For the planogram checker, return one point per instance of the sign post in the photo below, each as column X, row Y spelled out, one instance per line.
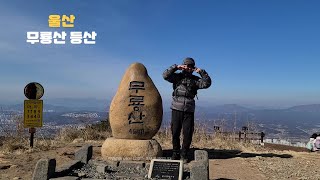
column 32, row 131
column 33, row 108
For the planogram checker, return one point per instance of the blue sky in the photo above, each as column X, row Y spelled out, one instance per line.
column 258, row 53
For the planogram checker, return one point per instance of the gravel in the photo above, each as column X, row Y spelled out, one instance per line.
column 114, row 172
column 89, row 171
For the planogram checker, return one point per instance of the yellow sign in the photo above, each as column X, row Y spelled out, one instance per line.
column 33, row 110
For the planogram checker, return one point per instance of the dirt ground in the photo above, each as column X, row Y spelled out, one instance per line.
column 224, row 164
column 262, row 166
column 236, row 168
column 20, row 165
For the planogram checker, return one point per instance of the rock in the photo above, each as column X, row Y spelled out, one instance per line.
column 147, row 165
column 199, row 169
column 66, row 152
column 13, row 166
column 131, row 176
column 81, row 174
column 113, row 163
column 136, row 109
column 66, row 178
column 5, row 166
column 102, row 168
column 45, row 169
column 78, row 140
column 132, row 164
column 201, row 155
column 84, row 154
column 65, row 169
column 129, row 149
column 108, row 163
column 16, row 178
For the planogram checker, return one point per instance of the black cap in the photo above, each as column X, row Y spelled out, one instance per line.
column 189, row 61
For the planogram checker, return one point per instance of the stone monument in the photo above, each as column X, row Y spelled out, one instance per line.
column 135, row 117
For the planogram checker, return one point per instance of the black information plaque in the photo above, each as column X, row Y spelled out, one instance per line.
column 166, row 169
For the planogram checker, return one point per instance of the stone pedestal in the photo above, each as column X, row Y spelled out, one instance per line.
column 130, row 149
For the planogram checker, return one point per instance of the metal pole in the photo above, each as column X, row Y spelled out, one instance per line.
column 31, row 139
column 32, row 131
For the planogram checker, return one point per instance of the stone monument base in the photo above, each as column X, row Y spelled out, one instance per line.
column 130, row 149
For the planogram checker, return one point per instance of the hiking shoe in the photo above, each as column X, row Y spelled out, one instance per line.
column 175, row 156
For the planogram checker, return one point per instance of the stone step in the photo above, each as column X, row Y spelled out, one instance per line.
column 66, row 178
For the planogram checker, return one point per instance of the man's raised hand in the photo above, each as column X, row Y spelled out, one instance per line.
column 197, row 69
column 182, row 67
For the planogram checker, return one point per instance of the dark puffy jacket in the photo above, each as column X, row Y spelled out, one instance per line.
column 185, row 87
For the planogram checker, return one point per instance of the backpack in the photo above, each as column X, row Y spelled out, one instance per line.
column 317, row 143
column 310, row 144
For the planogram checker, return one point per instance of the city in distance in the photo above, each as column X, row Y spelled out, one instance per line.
column 295, row 124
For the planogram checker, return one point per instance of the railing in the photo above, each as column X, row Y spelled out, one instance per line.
column 245, row 136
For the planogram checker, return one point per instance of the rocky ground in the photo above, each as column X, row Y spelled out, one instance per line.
column 89, row 171
column 224, row 164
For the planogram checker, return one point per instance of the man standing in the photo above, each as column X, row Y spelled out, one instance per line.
column 185, row 86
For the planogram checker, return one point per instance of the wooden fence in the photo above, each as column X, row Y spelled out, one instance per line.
column 245, row 136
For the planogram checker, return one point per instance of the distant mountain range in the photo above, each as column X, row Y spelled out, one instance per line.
column 68, row 104
column 306, row 108
column 226, row 108
column 302, row 119
column 231, row 108
column 296, row 121
column 90, row 104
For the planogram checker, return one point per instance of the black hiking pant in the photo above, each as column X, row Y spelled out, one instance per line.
column 182, row 120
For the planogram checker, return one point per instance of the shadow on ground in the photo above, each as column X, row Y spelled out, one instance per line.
column 227, row 154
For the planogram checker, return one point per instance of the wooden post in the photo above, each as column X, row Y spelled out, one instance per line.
column 262, row 136
column 32, row 131
column 245, row 136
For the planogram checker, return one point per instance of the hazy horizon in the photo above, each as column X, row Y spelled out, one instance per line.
column 166, row 103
